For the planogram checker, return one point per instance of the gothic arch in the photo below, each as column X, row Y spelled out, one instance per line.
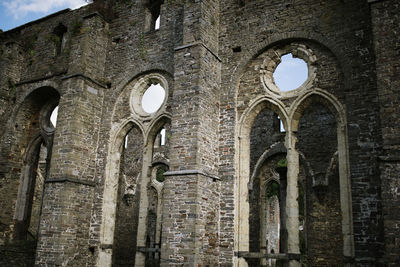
column 332, row 103
column 111, row 180
column 150, row 136
column 243, row 163
column 156, row 125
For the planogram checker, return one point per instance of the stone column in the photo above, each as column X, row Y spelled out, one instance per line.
column 282, row 209
column 292, row 206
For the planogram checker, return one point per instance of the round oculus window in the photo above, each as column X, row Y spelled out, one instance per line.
column 153, row 98
column 149, row 94
column 288, row 70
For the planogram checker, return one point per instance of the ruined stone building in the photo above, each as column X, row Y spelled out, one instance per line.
column 229, row 170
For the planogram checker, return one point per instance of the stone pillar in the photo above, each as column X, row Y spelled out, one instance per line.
column 191, row 190
column 282, row 209
column 69, row 190
column 292, row 206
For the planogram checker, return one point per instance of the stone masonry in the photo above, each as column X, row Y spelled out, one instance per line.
column 210, row 178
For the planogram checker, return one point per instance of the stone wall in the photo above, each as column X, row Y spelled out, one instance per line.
column 384, row 14
column 215, row 59
column 317, row 141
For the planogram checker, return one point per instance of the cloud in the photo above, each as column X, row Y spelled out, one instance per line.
column 21, row 8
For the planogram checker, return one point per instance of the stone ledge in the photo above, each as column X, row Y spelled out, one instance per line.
column 195, row 44
column 87, row 78
column 71, row 180
column 191, row 172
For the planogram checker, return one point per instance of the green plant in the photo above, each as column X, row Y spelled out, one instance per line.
column 273, row 190
column 160, row 175
column 281, row 163
column 31, row 53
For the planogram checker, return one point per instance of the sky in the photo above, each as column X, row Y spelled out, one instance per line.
column 153, row 98
column 290, row 73
column 14, row 13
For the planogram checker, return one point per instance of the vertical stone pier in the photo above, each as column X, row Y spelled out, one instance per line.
column 191, row 192
column 69, row 189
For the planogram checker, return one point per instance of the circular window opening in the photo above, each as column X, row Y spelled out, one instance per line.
column 53, row 117
column 153, row 98
column 291, row 73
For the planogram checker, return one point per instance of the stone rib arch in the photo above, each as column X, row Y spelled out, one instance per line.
column 255, row 107
column 338, row 110
column 273, row 150
column 128, row 78
column 316, row 95
column 28, row 89
column 110, row 190
column 277, row 149
column 155, row 126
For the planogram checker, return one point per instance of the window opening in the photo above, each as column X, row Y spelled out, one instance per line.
column 59, row 37
column 153, row 14
column 38, row 176
column 157, row 23
column 162, row 139
column 153, row 98
column 53, row 117
column 126, row 142
column 291, row 73
column 281, row 127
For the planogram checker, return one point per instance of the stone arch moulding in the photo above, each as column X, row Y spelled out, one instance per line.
column 138, row 71
column 155, row 126
column 110, row 191
column 128, row 82
column 45, row 114
column 29, row 88
column 279, row 38
column 258, row 104
column 334, row 105
column 241, row 240
column 274, row 149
